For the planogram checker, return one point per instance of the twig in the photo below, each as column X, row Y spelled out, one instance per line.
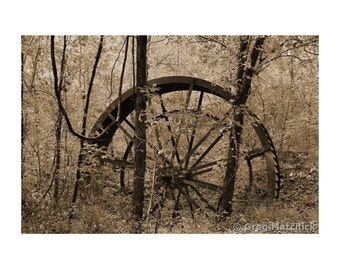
column 89, row 91
column 113, row 67
column 122, row 79
column 61, row 106
column 214, row 40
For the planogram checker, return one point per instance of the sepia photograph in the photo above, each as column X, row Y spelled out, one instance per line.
column 173, row 134
column 170, row 134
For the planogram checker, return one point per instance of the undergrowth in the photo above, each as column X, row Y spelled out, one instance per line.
column 111, row 212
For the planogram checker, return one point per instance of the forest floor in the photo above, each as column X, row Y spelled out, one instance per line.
column 295, row 211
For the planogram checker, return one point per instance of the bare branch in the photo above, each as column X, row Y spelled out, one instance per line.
column 293, row 45
column 122, row 78
column 89, row 91
column 61, row 106
column 214, row 40
column 113, row 67
column 160, row 40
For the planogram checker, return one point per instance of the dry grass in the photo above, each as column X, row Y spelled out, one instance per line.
column 295, row 210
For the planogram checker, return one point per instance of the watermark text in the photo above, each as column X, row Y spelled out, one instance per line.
column 301, row 227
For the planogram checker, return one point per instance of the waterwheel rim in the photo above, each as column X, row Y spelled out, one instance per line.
column 178, row 174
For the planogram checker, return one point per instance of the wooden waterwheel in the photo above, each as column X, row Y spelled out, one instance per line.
column 189, row 126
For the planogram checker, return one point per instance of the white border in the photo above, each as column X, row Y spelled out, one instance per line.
column 164, row 251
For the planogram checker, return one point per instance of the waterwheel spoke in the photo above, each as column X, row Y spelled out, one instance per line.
column 196, row 172
column 122, row 169
column 118, row 124
column 187, row 100
column 198, row 144
column 202, row 198
column 178, row 136
column 205, row 165
column 208, row 149
column 205, row 137
column 129, row 124
column 190, row 201
column 164, row 112
column 193, row 133
column 202, row 184
column 160, row 205
column 176, row 208
column 200, row 100
column 160, row 154
column 159, row 143
column 187, row 196
column 160, row 202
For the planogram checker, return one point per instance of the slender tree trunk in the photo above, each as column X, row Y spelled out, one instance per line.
column 140, row 139
column 57, row 157
column 58, row 85
column 288, row 108
column 84, row 122
column 244, row 77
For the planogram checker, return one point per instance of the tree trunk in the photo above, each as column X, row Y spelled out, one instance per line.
column 58, row 85
column 57, row 157
column 84, row 122
column 225, row 202
column 244, row 77
column 140, row 138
